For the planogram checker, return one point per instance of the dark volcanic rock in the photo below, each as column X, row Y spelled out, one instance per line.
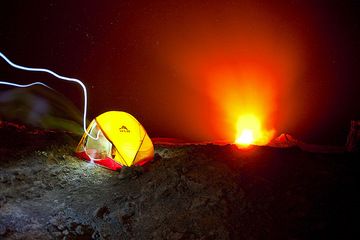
column 187, row 192
column 101, row 212
column 2, row 230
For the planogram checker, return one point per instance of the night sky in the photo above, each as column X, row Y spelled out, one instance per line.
column 188, row 69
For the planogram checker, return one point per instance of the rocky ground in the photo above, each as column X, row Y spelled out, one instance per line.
column 187, row 192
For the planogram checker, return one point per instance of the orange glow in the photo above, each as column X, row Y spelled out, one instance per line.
column 247, row 62
column 250, row 131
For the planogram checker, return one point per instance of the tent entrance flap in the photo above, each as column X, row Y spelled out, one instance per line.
column 99, row 148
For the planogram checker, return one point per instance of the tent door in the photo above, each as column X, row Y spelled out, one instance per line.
column 100, row 148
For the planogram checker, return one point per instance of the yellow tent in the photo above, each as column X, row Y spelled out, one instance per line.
column 117, row 139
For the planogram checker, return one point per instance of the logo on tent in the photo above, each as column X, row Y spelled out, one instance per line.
column 124, row 129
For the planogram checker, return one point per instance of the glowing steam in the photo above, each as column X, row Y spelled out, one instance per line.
column 245, row 63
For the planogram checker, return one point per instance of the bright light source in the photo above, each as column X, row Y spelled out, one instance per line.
column 250, row 131
column 246, row 137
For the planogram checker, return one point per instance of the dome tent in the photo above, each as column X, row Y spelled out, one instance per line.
column 120, row 140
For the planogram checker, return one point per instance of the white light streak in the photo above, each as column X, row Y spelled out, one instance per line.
column 31, row 69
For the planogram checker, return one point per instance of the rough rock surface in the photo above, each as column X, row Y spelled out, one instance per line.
column 187, row 192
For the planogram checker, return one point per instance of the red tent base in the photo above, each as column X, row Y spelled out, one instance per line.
column 107, row 162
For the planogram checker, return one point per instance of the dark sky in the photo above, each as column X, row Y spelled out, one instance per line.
column 188, row 69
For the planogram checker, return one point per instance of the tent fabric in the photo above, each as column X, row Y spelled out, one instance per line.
column 121, row 141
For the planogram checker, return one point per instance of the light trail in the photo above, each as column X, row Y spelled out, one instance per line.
column 31, row 69
column 24, row 85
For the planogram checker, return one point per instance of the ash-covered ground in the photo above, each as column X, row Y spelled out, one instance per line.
column 187, row 192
